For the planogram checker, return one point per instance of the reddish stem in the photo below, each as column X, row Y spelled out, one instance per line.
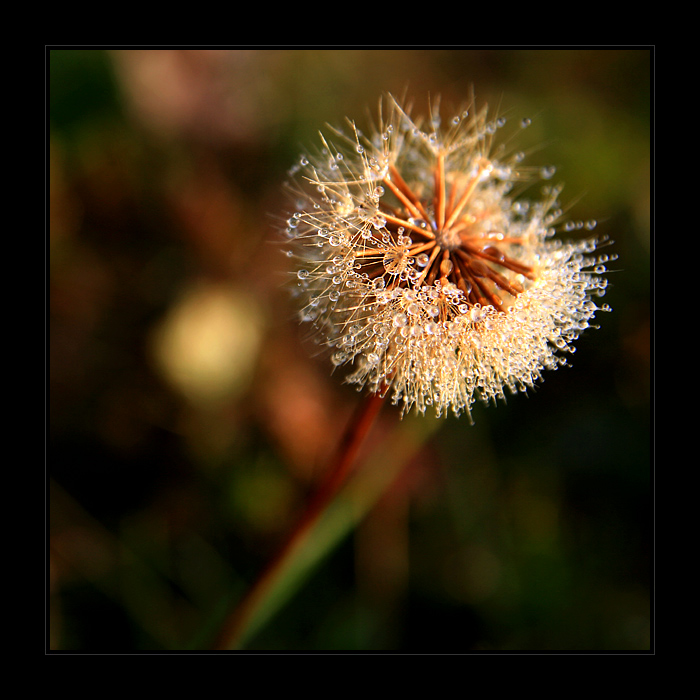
column 340, row 469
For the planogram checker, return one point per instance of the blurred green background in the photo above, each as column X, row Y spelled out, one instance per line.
column 189, row 418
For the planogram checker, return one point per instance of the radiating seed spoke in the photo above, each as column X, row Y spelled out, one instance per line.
column 368, row 252
column 408, row 203
column 416, row 207
column 468, row 284
column 440, row 192
column 462, row 282
column 418, row 248
column 502, row 282
column 469, row 250
column 469, row 190
column 429, row 265
column 408, row 225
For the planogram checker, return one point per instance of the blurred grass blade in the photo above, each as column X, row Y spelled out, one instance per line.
column 362, row 491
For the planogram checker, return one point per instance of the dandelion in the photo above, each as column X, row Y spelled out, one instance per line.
column 422, row 266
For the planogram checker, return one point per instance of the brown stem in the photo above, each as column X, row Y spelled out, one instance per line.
column 235, row 626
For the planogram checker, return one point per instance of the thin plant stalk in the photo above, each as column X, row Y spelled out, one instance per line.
column 236, row 626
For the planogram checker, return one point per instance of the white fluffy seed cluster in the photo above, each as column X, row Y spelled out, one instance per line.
column 420, row 266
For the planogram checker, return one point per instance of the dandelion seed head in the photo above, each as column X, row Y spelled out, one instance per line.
column 420, row 268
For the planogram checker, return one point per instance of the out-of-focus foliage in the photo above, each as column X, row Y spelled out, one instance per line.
column 189, row 417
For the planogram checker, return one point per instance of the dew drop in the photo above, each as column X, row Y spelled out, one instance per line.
column 338, row 358
column 400, row 320
column 525, row 122
column 420, row 223
column 302, row 274
column 476, row 315
column 494, row 253
column 378, row 221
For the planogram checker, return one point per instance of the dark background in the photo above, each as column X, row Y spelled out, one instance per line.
column 189, row 419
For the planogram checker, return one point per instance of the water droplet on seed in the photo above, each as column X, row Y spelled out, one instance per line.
column 494, row 253
column 400, row 320
column 446, row 267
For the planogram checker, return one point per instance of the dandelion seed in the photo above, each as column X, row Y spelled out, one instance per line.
column 456, row 290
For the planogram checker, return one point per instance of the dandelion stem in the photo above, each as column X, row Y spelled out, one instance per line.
column 237, row 624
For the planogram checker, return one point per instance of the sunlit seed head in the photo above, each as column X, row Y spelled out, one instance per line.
column 427, row 273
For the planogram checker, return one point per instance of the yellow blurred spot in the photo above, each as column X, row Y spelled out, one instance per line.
column 207, row 346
